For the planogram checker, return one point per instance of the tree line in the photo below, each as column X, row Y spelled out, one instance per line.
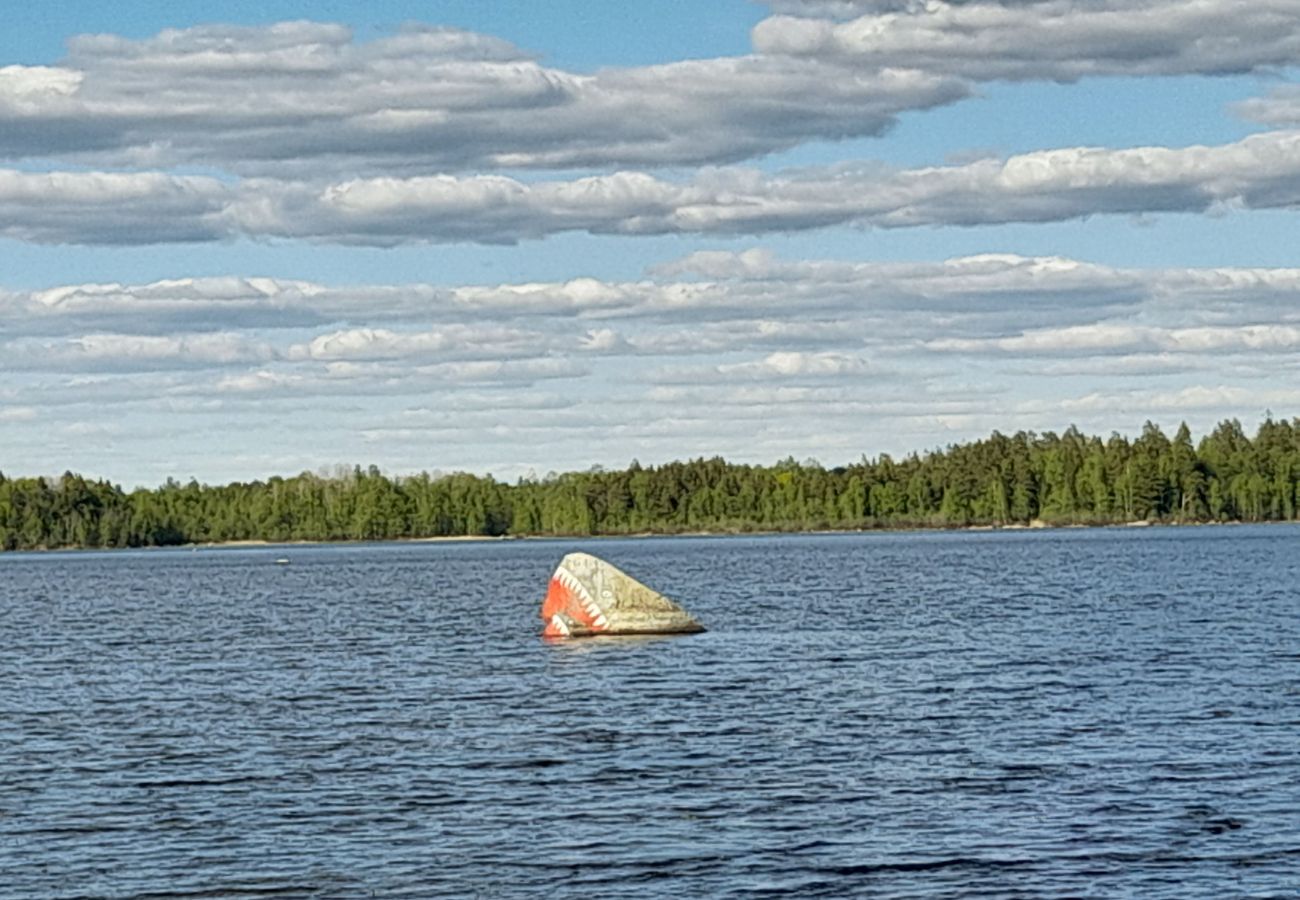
column 1056, row 479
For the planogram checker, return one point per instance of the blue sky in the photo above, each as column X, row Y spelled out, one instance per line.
column 574, row 34
column 263, row 238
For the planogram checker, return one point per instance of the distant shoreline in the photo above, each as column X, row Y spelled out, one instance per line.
column 644, row 535
column 1036, row 526
column 1022, row 481
column 260, row 542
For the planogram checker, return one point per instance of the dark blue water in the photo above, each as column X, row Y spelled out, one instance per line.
column 1053, row 714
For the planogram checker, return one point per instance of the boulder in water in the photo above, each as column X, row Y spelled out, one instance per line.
column 588, row 597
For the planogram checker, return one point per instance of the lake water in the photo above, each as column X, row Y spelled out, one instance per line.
column 1108, row 713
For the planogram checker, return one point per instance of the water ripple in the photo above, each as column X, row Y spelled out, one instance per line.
column 1060, row 714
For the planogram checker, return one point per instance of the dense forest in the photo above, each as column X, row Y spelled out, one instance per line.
column 1056, row 479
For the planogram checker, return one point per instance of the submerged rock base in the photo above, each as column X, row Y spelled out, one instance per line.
column 587, row 597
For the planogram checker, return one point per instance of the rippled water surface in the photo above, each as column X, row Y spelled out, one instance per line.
column 1066, row 713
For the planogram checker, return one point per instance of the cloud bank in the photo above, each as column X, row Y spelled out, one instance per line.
column 298, row 133
column 304, row 97
column 1056, row 40
column 743, row 354
column 1261, row 171
column 762, row 318
column 299, row 99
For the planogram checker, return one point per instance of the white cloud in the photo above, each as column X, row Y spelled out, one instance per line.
column 388, row 378
column 1060, row 40
column 424, row 100
column 789, row 364
column 836, row 9
column 213, row 303
column 128, row 352
column 17, row 413
column 25, row 87
column 508, row 371
column 1261, row 171
column 852, row 9
column 1126, row 338
column 750, row 303
column 711, row 302
column 734, row 352
column 110, row 208
column 428, row 100
column 603, row 340
column 737, row 330
column 586, row 297
column 782, row 366
column 1132, row 365
column 1221, row 398
column 447, row 342
column 480, row 401
column 1280, row 108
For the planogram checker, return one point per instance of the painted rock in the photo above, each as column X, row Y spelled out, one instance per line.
column 588, row 596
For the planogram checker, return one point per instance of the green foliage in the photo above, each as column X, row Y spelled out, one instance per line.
column 1067, row 479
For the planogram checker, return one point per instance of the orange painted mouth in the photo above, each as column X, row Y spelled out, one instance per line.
column 568, row 608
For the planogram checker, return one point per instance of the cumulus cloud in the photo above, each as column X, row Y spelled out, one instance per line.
column 1258, row 172
column 788, row 366
column 127, row 352
column 214, row 303
column 835, row 9
column 1280, row 108
column 384, row 378
column 17, row 413
column 1261, row 171
column 1127, row 338
column 955, row 289
column 1059, row 40
column 852, row 9
column 276, row 304
column 604, row 340
column 1218, row 398
column 110, row 208
column 736, row 330
column 448, row 342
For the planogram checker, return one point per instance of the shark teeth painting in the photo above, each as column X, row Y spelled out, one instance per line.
column 587, row 597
